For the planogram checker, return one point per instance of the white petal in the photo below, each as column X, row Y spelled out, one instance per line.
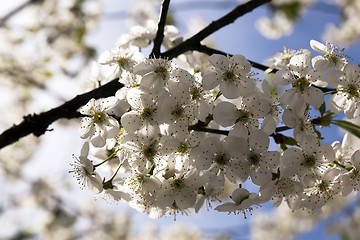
column 229, row 90
column 283, row 77
column 318, row 47
column 269, row 124
column 259, row 141
column 337, row 102
column 260, row 175
column 334, row 78
column 98, row 139
column 86, row 127
column 272, row 158
column 86, row 110
column 239, row 195
column 142, row 68
column 243, row 66
column 211, row 80
column 201, row 110
column 219, row 62
column 85, row 150
column 314, row 96
column 225, row 114
column 235, row 146
column 131, row 121
column 289, row 98
column 239, row 130
column 323, row 65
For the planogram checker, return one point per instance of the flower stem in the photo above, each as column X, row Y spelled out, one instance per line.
column 107, row 159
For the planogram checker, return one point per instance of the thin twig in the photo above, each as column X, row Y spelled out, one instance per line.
column 38, row 124
column 191, row 43
column 15, row 11
column 208, row 130
column 155, row 53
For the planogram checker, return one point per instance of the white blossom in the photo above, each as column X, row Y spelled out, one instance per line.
column 232, row 74
column 99, row 126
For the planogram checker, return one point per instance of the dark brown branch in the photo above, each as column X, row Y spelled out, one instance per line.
column 155, row 53
column 195, row 40
column 16, row 10
column 38, row 124
column 210, row 51
column 208, row 130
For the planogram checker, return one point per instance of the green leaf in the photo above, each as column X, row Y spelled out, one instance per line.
column 348, row 126
column 290, row 141
column 322, row 109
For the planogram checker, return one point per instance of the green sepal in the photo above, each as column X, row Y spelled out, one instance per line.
column 218, row 94
column 322, row 109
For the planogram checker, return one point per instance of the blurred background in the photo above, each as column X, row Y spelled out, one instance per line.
column 46, row 51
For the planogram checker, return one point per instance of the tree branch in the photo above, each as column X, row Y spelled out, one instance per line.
column 209, row 51
column 195, row 40
column 38, row 124
column 16, row 10
column 155, row 53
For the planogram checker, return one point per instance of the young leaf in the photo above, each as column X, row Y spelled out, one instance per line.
column 348, row 126
column 322, row 109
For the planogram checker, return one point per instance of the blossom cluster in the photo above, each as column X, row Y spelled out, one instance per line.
column 176, row 136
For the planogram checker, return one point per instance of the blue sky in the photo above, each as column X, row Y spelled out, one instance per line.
column 240, row 37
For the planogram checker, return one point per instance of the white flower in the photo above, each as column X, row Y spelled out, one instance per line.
column 144, row 110
column 320, row 188
column 301, row 77
column 329, row 60
column 99, row 126
column 270, row 121
column 155, row 73
column 180, row 191
column 177, row 108
column 243, row 202
column 351, row 179
column 208, row 192
column 347, row 98
column 120, row 59
column 283, row 188
column 281, row 60
column 200, row 98
column 260, row 163
column 297, row 118
column 312, row 158
column 221, row 158
column 344, row 151
column 233, row 75
column 84, row 171
column 142, row 150
column 116, row 195
column 140, row 183
column 227, row 114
